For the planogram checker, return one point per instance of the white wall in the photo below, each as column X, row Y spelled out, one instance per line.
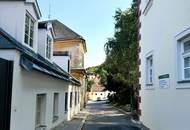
column 62, row 61
column 42, row 38
column 26, row 85
column 13, row 19
column 164, row 109
column 75, row 108
column 42, row 41
column 102, row 95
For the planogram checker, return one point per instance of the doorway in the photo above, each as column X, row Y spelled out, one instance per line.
column 6, row 75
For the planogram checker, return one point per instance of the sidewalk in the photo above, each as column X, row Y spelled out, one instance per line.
column 75, row 124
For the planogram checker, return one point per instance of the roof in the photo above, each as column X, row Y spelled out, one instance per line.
column 31, row 61
column 97, row 88
column 62, row 32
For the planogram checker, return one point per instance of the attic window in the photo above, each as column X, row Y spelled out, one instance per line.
column 29, row 31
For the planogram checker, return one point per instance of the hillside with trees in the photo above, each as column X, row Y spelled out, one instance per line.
column 119, row 71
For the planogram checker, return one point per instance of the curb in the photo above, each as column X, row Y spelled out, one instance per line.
column 83, row 122
column 134, row 121
column 139, row 123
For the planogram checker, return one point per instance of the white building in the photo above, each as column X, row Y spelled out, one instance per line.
column 165, row 64
column 97, row 91
column 36, row 94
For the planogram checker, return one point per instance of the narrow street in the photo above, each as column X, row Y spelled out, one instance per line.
column 104, row 117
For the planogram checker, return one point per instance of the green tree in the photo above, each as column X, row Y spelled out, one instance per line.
column 119, row 71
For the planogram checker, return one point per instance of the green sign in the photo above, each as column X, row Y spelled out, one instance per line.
column 164, row 76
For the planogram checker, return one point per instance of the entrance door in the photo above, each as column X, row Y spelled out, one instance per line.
column 6, row 74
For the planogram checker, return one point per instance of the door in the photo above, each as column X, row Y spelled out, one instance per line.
column 6, row 74
column 40, row 112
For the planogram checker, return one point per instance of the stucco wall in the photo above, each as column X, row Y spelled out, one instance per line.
column 98, row 95
column 75, row 48
column 42, row 42
column 164, row 109
column 13, row 19
column 26, row 85
column 42, row 39
column 62, row 61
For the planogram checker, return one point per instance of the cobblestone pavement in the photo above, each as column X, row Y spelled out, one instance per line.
column 105, row 117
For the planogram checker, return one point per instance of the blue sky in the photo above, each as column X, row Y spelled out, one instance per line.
column 92, row 19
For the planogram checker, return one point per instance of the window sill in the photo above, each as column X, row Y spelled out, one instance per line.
column 183, row 81
column 28, row 46
column 55, row 118
column 149, row 84
column 39, row 127
column 149, row 87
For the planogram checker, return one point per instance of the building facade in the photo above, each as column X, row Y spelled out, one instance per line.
column 36, row 93
column 97, row 91
column 165, row 61
column 68, row 41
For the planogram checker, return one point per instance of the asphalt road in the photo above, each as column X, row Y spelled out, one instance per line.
column 105, row 117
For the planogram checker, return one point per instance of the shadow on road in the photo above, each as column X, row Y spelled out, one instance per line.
column 104, row 117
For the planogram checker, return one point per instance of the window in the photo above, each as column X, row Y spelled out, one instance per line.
column 29, row 31
column 66, row 102
column 78, row 97
column 48, row 47
column 75, row 98
column 185, row 59
column 40, row 111
column 55, row 106
column 149, row 70
column 71, row 98
column 68, row 69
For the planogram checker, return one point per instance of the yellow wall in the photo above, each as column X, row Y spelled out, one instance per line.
column 76, row 48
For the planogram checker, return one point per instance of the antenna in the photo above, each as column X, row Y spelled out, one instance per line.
column 49, row 15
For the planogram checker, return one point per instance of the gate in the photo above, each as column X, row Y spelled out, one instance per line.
column 6, row 74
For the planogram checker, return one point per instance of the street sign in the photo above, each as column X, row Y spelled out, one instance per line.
column 164, row 81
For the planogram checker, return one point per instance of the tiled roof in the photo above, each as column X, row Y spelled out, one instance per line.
column 97, row 88
column 62, row 32
column 30, row 60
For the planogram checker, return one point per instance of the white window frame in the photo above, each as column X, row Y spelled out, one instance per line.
column 48, row 47
column 41, row 112
column 148, row 84
column 147, row 6
column 55, row 106
column 180, row 38
column 183, row 56
column 31, row 20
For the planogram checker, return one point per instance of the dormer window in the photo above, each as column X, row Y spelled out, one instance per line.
column 48, row 47
column 29, row 31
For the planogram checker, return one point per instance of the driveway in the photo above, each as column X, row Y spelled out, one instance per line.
column 105, row 117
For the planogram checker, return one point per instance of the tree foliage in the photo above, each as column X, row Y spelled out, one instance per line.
column 119, row 71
